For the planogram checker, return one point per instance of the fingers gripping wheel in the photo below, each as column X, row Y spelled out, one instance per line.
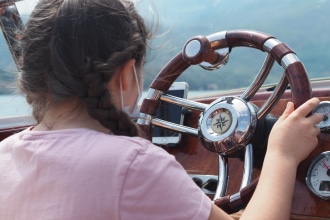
column 229, row 123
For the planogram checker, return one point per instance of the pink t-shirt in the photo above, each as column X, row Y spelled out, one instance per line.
column 84, row 174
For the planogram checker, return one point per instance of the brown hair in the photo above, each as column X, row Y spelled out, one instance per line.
column 72, row 48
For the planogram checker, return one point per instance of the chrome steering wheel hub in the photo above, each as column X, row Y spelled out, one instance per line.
column 227, row 125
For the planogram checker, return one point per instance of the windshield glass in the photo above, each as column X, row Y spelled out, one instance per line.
column 11, row 102
column 301, row 25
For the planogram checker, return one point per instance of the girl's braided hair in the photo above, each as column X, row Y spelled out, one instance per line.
column 72, row 48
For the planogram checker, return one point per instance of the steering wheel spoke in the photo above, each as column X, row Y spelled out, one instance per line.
column 186, row 103
column 260, row 79
column 274, row 98
column 223, row 173
column 174, row 127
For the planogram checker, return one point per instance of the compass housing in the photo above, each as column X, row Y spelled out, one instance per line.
column 227, row 125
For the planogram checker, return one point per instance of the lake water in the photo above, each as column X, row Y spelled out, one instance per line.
column 15, row 105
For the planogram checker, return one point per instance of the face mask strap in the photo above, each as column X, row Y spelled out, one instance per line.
column 121, row 93
column 123, row 107
column 137, row 80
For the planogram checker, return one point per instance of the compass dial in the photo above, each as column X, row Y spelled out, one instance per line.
column 221, row 122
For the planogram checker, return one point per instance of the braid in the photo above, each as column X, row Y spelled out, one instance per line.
column 75, row 50
column 98, row 99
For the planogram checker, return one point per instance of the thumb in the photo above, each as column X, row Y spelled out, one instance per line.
column 288, row 110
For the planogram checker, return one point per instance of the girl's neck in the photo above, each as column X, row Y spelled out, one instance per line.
column 69, row 115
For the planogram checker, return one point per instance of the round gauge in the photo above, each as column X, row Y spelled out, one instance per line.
column 324, row 109
column 318, row 176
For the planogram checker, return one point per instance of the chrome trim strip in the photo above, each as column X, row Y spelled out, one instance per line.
column 270, row 44
column 174, row 127
column 144, row 119
column 183, row 102
column 235, row 197
column 153, row 94
column 289, row 59
column 217, row 36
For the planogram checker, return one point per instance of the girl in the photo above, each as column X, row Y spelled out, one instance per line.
column 81, row 73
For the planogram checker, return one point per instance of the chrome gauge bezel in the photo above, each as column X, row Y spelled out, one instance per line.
column 313, row 184
column 325, row 124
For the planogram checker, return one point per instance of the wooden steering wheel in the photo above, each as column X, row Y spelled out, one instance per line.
column 230, row 123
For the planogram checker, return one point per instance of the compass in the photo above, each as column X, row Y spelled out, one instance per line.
column 221, row 121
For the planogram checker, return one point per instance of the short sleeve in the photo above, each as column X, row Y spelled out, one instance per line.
column 157, row 187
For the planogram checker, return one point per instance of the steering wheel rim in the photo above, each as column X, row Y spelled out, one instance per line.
column 205, row 51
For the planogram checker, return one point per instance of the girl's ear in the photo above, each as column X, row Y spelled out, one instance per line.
column 124, row 75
